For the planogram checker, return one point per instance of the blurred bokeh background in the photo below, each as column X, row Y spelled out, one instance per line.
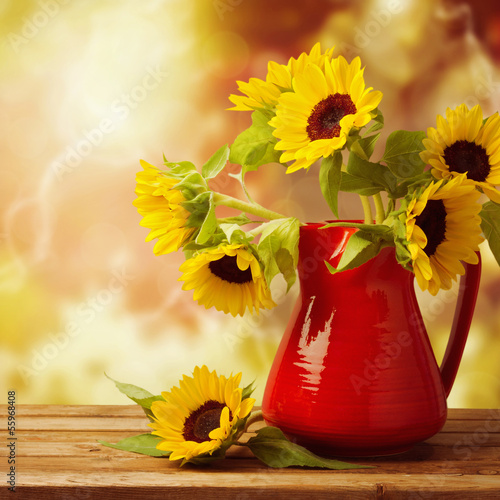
column 89, row 88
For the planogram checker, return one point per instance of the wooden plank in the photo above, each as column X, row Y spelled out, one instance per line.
column 456, row 449
column 133, row 410
column 81, row 424
column 116, row 411
column 133, row 418
column 319, row 485
column 58, row 456
column 115, row 464
column 466, row 417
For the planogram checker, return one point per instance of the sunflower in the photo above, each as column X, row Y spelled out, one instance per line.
column 463, row 144
column 198, row 416
column 228, row 277
column 265, row 93
column 443, row 229
column 315, row 119
column 160, row 204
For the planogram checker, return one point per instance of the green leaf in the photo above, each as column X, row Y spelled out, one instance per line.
column 351, row 184
column 216, row 163
column 209, row 225
column 364, row 147
column 138, row 395
column 255, row 145
column 402, row 153
column 403, row 255
column 490, row 224
column 233, row 233
column 377, row 174
column 378, row 120
column 278, row 249
column 272, row 447
column 192, row 184
column 145, row 444
column 329, row 180
column 407, row 185
column 181, row 167
column 267, row 248
column 363, row 246
column 248, row 391
column 285, row 263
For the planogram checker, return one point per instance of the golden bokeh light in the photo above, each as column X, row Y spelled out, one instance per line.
column 87, row 89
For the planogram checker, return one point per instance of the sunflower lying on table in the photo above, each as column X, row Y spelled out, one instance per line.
column 316, row 107
column 201, row 419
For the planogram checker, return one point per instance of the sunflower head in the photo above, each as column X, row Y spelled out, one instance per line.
column 442, row 230
column 265, row 93
column 199, row 416
column 315, row 119
column 462, row 144
column 228, row 277
column 160, row 204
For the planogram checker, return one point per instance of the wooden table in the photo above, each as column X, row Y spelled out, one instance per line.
column 58, row 457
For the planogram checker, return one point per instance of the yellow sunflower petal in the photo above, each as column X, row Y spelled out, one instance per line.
column 453, row 236
column 327, row 101
column 222, row 286
column 176, row 420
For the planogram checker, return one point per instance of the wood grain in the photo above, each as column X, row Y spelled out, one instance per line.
column 58, row 456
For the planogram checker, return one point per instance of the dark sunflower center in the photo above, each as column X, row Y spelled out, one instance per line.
column 323, row 123
column 202, row 421
column 465, row 156
column 432, row 221
column 227, row 269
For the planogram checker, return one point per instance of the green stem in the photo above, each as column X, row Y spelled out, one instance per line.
column 367, row 209
column 251, row 208
column 379, row 207
column 229, row 220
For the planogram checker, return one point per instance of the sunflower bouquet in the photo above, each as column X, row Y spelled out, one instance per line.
column 422, row 196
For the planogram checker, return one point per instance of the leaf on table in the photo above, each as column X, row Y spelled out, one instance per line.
column 138, row 395
column 145, row 444
column 272, row 447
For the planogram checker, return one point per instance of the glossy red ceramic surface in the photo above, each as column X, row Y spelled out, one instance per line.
column 355, row 374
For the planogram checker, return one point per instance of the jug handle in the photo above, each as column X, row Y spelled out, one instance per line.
column 469, row 285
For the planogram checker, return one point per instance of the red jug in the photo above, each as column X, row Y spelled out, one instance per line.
column 355, row 374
